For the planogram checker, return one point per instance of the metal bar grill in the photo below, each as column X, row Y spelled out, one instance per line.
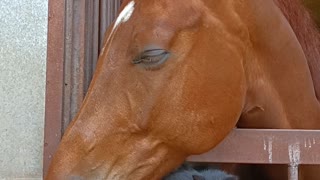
column 266, row 146
column 293, row 172
column 86, row 23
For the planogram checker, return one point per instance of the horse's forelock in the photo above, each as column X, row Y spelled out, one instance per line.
column 123, row 4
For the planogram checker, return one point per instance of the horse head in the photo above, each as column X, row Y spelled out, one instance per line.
column 170, row 82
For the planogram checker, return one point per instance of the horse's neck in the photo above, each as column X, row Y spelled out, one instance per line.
column 280, row 89
column 307, row 34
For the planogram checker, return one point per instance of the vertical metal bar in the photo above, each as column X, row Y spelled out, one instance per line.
column 95, row 35
column 103, row 21
column 74, row 67
column 293, row 172
column 54, row 86
column 68, row 50
column 108, row 12
column 78, row 56
column 91, row 40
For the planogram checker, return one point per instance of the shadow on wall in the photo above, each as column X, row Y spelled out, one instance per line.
column 314, row 6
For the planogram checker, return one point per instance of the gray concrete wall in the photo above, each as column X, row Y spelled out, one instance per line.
column 23, row 41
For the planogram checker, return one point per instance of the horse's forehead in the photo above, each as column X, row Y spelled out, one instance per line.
column 163, row 8
column 170, row 11
column 124, row 3
column 170, row 6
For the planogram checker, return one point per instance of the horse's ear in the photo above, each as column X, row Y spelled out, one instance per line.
column 197, row 177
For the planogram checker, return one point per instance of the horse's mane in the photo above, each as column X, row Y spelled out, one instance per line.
column 307, row 34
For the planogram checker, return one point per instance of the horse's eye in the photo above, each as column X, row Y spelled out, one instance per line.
column 152, row 57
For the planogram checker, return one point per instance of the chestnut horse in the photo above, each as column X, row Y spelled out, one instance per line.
column 176, row 76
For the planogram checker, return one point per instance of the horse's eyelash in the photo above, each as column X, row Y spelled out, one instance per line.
column 149, row 58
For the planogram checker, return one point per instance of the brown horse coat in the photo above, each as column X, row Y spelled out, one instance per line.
column 175, row 77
